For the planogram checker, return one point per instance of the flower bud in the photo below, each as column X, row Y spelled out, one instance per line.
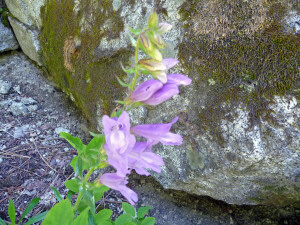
column 146, row 42
column 151, row 65
column 164, row 27
column 157, row 39
column 155, row 54
column 153, row 20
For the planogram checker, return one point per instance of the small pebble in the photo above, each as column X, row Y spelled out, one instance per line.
column 5, row 86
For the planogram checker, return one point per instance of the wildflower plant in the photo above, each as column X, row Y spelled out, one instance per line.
column 118, row 146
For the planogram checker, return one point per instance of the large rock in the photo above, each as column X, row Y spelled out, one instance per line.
column 28, row 40
column 7, row 39
column 26, row 11
column 239, row 118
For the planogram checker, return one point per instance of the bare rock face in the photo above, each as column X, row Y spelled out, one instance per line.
column 239, row 118
column 8, row 41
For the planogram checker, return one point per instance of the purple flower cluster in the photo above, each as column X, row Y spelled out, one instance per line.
column 154, row 92
column 124, row 153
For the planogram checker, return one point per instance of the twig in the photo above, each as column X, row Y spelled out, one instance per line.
column 14, row 154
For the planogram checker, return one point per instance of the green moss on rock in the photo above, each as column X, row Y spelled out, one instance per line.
column 237, row 59
column 68, row 41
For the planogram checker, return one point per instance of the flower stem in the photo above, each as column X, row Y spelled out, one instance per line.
column 136, row 69
column 85, row 180
column 77, row 202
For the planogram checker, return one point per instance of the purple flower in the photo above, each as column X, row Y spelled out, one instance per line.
column 118, row 183
column 154, row 92
column 145, row 90
column 178, row 79
column 169, row 62
column 118, row 142
column 141, row 158
column 158, row 133
column 117, row 132
column 163, row 94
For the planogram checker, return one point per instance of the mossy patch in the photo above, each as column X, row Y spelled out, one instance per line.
column 68, row 40
column 249, row 62
column 4, row 16
column 277, row 196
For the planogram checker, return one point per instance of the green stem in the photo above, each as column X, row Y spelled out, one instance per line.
column 85, row 180
column 77, row 202
column 136, row 69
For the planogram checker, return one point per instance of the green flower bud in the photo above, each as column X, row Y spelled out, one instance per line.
column 153, row 20
column 151, row 65
column 155, row 54
column 157, row 39
column 146, row 42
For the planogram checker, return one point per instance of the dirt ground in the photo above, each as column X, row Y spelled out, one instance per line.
column 33, row 158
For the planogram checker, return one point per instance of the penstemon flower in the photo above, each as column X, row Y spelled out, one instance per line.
column 114, row 181
column 123, row 152
column 158, row 133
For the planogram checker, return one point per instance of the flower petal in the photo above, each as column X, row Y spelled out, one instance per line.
column 153, row 131
column 163, row 94
column 171, row 139
column 178, row 79
column 169, row 62
column 145, row 90
column 118, row 183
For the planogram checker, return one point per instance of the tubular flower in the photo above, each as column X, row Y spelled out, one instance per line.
column 118, row 183
column 141, row 157
column 154, row 92
column 118, row 141
column 158, row 133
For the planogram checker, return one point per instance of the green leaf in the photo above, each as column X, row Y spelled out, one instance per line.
column 128, row 209
column 12, row 212
column 119, row 112
column 103, row 215
column 74, row 141
column 2, row 222
column 82, row 219
column 79, row 167
column 148, row 221
column 70, row 194
column 61, row 213
column 142, row 211
column 128, row 71
column 29, row 207
column 104, row 223
column 37, row 218
column 73, row 185
column 135, row 31
column 123, row 219
column 73, row 162
column 122, row 83
column 132, row 40
column 94, row 134
column 129, row 223
column 56, row 194
column 93, row 148
column 99, row 192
